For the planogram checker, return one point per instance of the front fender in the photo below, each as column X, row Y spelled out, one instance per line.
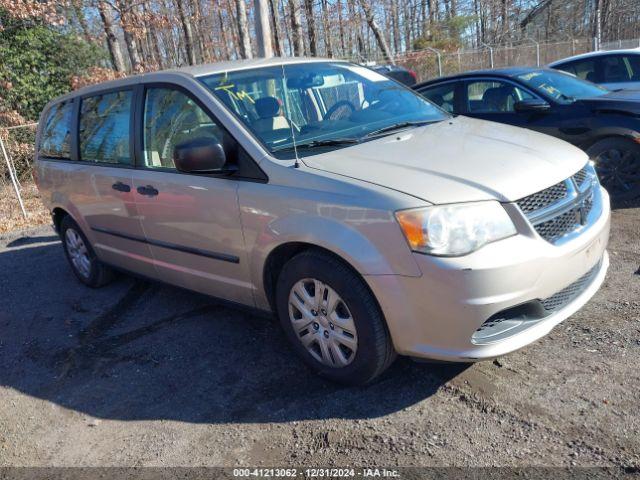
column 371, row 248
column 630, row 131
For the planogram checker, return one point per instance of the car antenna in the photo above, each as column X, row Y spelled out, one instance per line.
column 285, row 89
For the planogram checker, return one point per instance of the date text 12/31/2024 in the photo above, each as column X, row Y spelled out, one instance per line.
column 315, row 473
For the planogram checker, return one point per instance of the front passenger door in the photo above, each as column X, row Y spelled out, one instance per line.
column 495, row 100
column 191, row 222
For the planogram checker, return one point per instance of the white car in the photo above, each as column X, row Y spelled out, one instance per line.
column 613, row 69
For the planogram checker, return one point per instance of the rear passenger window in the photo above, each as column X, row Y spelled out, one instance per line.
column 171, row 118
column 614, row 69
column 443, row 96
column 56, row 135
column 632, row 63
column 104, row 128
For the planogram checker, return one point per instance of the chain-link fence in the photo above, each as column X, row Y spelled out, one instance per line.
column 19, row 200
column 621, row 44
column 432, row 63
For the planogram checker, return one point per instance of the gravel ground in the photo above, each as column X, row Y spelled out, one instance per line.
column 139, row 374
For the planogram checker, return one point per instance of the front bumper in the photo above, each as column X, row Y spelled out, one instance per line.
column 435, row 316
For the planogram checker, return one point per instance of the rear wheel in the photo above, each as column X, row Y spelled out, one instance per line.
column 83, row 260
column 618, row 164
column 332, row 319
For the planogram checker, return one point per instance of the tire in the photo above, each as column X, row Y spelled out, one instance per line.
column 89, row 270
column 617, row 161
column 357, row 345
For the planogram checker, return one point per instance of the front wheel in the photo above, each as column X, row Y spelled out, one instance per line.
column 332, row 319
column 617, row 162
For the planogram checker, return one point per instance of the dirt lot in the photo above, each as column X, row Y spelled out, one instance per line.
column 142, row 374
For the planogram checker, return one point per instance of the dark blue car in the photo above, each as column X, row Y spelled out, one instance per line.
column 604, row 123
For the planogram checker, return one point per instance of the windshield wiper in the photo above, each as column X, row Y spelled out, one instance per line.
column 397, row 126
column 327, row 142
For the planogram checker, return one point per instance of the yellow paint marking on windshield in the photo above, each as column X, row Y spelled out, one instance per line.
column 236, row 95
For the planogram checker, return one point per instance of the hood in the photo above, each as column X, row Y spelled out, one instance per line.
column 624, row 101
column 458, row 160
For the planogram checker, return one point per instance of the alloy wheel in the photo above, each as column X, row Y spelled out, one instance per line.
column 619, row 172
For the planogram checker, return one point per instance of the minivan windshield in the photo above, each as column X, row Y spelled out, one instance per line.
column 319, row 105
column 562, row 87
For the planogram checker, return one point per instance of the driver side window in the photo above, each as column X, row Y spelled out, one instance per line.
column 171, row 118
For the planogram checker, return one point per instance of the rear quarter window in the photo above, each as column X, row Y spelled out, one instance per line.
column 56, row 134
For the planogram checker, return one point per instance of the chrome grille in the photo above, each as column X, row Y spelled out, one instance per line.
column 562, row 208
column 543, row 198
column 558, row 226
column 581, row 176
column 567, row 294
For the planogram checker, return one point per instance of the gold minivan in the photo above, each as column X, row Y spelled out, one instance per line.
column 370, row 221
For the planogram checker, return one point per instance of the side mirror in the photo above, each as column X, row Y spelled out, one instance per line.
column 200, row 155
column 532, row 105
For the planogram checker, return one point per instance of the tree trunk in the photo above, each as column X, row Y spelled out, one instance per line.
column 277, row 44
column 125, row 9
column 205, row 55
column 407, row 26
column 453, row 13
column 373, row 25
column 327, row 30
column 263, row 28
column 296, row 28
column 153, row 39
column 243, row 29
column 188, row 33
column 82, row 20
column 235, row 41
column 115, row 52
column 395, row 26
column 225, row 40
column 341, row 28
column 311, row 27
column 286, row 30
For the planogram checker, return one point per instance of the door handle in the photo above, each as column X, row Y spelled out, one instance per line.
column 148, row 190
column 121, row 187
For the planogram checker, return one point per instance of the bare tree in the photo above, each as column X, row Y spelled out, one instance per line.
column 277, row 45
column 296, row 28
column 373, row 25
column 343, row 45
column 328, row 44
column 127, row 22
column 112, row 39
column 243, row 29
column 223, row 34
column 187, row 31
column 263, row 28
column 311, row 27
column 82, row 20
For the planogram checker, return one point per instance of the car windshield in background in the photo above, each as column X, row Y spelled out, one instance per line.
column 321, row 105
column 560, row 86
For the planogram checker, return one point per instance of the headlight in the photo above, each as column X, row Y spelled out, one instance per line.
column 450, row 230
